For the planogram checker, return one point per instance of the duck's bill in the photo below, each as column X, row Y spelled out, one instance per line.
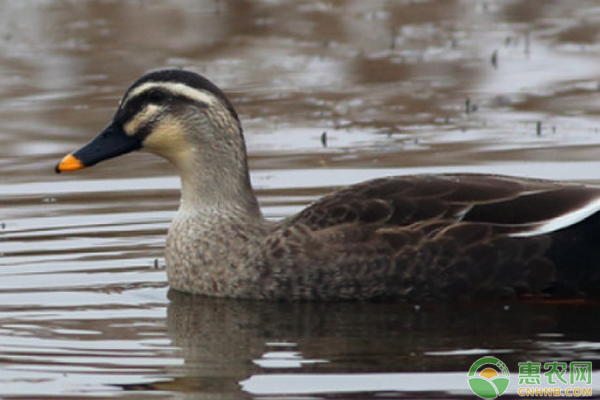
column 109, row 143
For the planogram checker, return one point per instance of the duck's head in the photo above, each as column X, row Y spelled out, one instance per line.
column 173, row 113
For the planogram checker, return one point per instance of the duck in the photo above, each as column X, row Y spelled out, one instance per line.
column 437, row 237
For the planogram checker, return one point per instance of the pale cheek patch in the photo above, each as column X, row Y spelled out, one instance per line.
column 142, row 118
column 167, row 140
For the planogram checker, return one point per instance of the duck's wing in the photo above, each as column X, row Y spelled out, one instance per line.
column 437, row 236
column 515, row 206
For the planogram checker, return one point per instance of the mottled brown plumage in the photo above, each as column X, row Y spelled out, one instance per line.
column 411, row 237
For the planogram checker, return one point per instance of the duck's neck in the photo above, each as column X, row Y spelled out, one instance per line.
column 215, row 185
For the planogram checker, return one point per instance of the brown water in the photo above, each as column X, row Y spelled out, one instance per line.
column 398, row 86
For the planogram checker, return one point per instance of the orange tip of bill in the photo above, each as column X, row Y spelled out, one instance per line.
column 69, row 163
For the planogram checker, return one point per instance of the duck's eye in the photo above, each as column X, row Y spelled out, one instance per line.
column 156, row 96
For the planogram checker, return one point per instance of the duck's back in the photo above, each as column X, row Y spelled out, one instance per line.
column 436, row 236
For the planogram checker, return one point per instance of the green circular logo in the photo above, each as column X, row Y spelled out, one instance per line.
column 488, row 377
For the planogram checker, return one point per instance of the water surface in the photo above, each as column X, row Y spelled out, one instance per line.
column 397, row 87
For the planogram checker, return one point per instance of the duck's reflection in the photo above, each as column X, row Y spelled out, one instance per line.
column 226, row 341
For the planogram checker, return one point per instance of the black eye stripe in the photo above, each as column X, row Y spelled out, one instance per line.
column 143, row 132
column 128, row 110
column 153, row 96
column 159, row 97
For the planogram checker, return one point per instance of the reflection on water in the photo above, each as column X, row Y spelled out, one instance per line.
column 396, row 87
